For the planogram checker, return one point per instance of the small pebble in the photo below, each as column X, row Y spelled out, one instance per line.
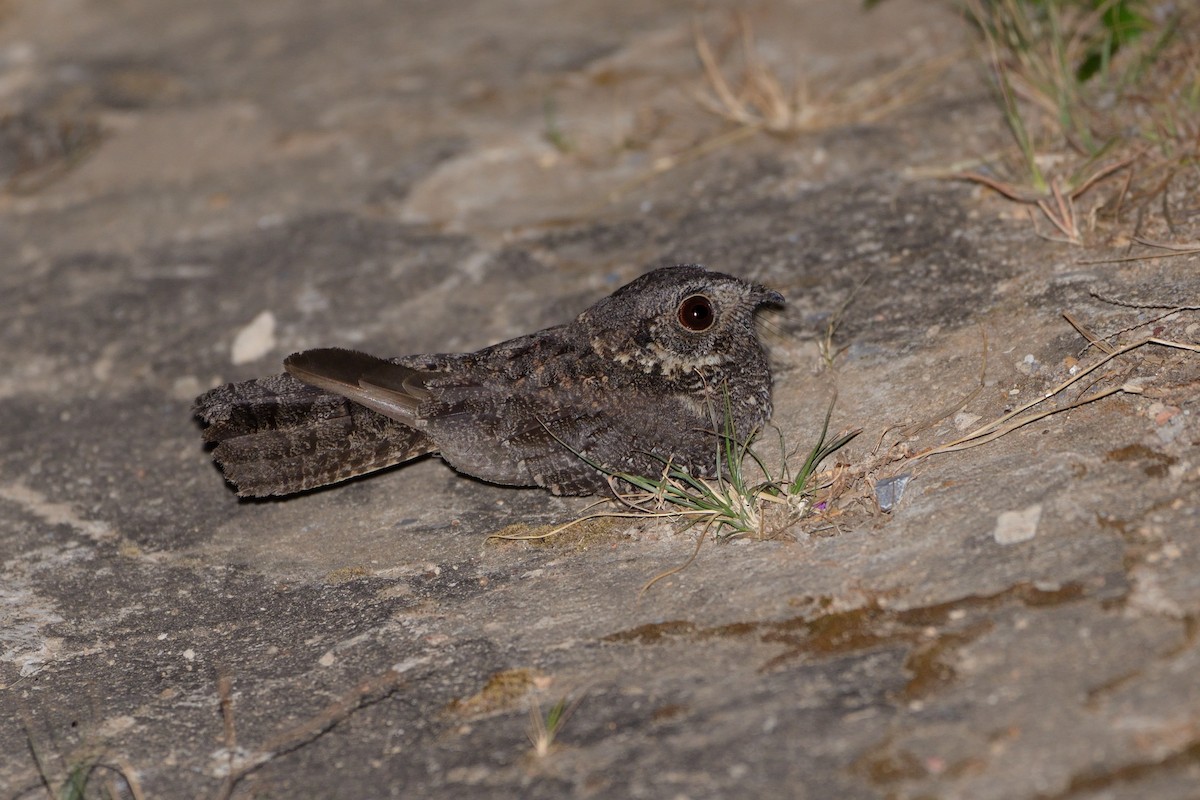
column 1013, row 527
column 255, row 340
column 888, row 491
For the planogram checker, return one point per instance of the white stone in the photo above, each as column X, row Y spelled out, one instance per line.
column 255, row 340
column 1013, row 527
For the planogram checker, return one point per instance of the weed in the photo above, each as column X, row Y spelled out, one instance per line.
column 1089, row 89
column 93, row 769
column 544, row 728
column 552, row 130
column 734, row 502
column 828, row 350
column 762, row 100
column 118, row 781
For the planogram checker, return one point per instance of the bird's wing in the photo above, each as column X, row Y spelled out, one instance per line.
column 393, row 390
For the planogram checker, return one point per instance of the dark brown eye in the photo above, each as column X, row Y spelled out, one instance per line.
column 696, row 313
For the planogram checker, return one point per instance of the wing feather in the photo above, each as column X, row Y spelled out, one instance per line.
column 393, row 390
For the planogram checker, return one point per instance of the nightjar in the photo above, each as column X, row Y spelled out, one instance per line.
column 640, row 378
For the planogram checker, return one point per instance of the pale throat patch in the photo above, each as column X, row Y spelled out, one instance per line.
column 655, row 357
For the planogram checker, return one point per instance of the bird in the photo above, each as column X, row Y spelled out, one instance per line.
column 655, row 374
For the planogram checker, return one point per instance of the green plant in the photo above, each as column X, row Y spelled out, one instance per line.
column 80, row 774
column 804, row 484
column 734, row 502
column 552, row 130
column 544, row 728
column 1088, row 88
column 1059, row 55
column 105, row 779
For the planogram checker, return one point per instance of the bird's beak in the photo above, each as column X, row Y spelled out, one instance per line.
column 768, row 297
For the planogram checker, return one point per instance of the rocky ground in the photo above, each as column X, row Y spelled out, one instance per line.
column 195, row 190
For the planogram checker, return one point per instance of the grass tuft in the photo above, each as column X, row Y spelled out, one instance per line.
column 759, row 100
column 90, row 773
column 544, row 728
column 746, row 498
column 1093, row 92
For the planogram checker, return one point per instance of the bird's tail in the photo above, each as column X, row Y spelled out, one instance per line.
column 277, row 436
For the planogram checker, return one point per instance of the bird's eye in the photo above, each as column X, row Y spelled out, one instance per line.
column 696, row 313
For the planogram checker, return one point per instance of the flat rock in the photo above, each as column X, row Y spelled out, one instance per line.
column 206, row 188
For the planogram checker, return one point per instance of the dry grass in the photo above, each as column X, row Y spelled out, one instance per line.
column 1050, row 402
column 582, row 534
column 756, row 99
column 759, row 100
column 1085, row 114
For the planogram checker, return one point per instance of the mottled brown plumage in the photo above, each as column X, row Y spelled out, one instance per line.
column 637, row 379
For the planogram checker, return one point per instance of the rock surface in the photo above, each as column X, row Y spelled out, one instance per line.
column 193, row 191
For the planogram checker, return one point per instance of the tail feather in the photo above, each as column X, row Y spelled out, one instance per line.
column 277, row 436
